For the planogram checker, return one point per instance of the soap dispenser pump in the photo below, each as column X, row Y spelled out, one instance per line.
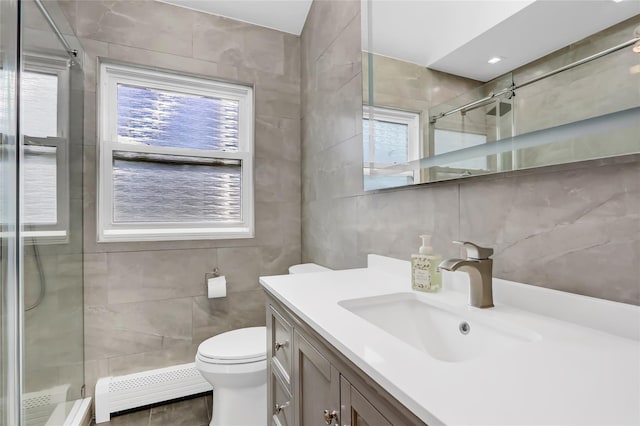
column 425, row 274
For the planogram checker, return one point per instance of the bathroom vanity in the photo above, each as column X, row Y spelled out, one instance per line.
column 358, row 347
column 310, row 382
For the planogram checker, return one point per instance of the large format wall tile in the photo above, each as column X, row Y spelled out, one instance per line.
column 334, row 117
column 141, row 23
column 330, row 233
column 576, row 230
column 145, row 301
column 276, row 260
column 129, row 328
column 325, row 22
column 156, row 275
column 338, row 169
column 241, row 267
column 277, row 180
column 339, row 63
column 134, row 363
column 279, row 137
column 566, row 230
column 390, row 223
column 237, row 310
column 167, row 61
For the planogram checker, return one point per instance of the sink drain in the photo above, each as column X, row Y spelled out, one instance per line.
column 464, row 327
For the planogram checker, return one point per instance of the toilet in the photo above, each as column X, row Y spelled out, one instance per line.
column 235, row 363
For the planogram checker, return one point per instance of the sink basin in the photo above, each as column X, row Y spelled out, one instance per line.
column 443, row 332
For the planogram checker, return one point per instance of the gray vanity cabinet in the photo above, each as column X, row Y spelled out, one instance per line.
column 316, row 384
column 356, row 410
column 313, row 384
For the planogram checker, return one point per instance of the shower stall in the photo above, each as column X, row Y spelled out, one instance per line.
column 41, row 207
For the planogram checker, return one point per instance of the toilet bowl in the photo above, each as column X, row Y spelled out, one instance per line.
column 236, row 366
column 235, row 363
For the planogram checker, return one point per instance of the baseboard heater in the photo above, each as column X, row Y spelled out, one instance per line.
column 121, row 393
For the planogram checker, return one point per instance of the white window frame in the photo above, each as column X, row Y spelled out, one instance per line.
column 57, row 233
column 111, row 75
column 412, row 120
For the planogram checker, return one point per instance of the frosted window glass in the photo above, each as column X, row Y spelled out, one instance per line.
column 170, row 119
column 39, row 97
column 169, row 188
column 391, row 141
column 40, row 185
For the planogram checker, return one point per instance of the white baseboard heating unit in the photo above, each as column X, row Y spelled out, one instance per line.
column 121, row 393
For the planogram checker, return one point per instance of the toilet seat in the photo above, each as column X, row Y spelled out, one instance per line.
column 242, row 346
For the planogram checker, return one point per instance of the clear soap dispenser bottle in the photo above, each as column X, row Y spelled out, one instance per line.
column 425, row 274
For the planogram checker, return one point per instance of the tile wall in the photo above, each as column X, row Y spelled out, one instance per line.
column 574, row 228
column 145, row 303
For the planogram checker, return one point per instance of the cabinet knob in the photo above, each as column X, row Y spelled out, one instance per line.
column 330, row 416
column 278, row 345
column 279, row 407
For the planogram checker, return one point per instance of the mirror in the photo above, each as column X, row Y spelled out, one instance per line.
column 458, row 89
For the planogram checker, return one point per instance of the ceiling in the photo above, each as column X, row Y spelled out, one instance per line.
column 454, row 36
column 283, row 15
column 517, row 31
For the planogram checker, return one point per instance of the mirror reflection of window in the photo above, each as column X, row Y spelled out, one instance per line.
column 391, row 138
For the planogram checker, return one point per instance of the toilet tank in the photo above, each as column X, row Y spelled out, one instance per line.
column 305, row 268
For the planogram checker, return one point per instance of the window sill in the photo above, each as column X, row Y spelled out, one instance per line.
column 39, row 237
column 183, row 234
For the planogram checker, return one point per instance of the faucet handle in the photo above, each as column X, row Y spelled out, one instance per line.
column 474, row 251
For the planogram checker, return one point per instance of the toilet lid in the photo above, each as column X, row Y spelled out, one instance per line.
column 242, row 345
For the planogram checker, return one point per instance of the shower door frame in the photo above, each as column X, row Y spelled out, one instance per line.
column 11, row 249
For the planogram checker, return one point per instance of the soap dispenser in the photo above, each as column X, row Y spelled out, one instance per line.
column 425, row 274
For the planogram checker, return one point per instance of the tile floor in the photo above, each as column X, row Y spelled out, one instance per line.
column 190, row 412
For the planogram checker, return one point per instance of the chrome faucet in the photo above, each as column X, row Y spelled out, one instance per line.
column 480, row 268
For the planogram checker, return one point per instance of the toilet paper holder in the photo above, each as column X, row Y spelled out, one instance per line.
column 213, row 274
column 216, row 284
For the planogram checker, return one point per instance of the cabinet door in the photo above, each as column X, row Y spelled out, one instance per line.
column 356, row 410
column 280, row 403
column 316, row 385
column 280, row 336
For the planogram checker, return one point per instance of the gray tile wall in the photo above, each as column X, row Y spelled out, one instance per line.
column 145, row 303
column 571, row 228
column 581, row 93
column 410, row 87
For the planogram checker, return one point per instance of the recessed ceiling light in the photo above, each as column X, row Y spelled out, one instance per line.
column 494, row 60
column 617, row 1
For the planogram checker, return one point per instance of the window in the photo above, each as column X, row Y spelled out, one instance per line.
column 44, row 129
column 176, row 157
column 396, row 137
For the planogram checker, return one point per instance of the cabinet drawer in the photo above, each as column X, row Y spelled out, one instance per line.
column 282, row 410
column 281, row 344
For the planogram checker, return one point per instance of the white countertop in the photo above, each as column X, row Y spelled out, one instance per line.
column 585, row 368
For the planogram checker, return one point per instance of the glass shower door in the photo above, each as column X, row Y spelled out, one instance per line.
column 10, row 312
column 51, row 216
